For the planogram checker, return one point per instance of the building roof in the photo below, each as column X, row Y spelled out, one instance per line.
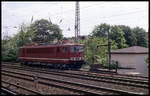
column 133, row 49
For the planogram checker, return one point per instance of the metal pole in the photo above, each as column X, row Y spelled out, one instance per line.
column 116, row 66
column 109, row 52
column 77, row 22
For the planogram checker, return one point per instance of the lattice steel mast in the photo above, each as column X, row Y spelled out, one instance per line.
column 77, row 22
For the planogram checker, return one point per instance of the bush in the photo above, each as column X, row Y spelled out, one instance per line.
column 114, row 64
column 86, row 66
column 146, row 59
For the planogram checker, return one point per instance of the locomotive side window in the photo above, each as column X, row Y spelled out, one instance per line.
column 64, row 49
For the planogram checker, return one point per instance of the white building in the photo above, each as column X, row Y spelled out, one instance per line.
column 132, row 57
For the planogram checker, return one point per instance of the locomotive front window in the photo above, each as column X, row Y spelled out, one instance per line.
column 76, row 49
column 80, row 48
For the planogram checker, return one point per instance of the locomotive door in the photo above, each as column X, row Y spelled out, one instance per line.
column 62, row 52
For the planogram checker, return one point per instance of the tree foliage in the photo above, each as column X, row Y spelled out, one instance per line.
column 101, row 30
column 116, row 34
column 141, row 36
column 27, row 34
column 129, row 35
column 123, row 35
column 9, row 50
column 45, row 31
column 94, row 54
column 24, row 35
column 146, row 59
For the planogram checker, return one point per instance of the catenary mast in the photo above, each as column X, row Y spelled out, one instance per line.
column 77, row 22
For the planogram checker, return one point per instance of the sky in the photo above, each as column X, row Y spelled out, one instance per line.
column 133, row 14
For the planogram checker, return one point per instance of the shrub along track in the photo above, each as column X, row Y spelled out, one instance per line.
column 83, row 82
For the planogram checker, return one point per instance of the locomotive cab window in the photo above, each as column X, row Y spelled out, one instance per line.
column 64, row 49
column 76, row 49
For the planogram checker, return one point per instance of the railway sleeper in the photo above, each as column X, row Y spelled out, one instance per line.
column 81, row 84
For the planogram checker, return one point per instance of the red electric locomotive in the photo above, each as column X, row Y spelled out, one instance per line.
column 57, row 56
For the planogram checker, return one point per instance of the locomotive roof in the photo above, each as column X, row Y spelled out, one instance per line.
column 41, row 46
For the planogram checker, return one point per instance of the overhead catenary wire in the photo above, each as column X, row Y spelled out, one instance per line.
column 127, row 13
column 71, row 10
column 107, row 17
column 81, row 9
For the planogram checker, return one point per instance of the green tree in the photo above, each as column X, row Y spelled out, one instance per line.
column 146, row 59
column 29, row 33
column 45, row 31
column 24, row 35
column 141, row 36
column 129, row 36
column 9, row 50
column 117, row 35
column 101, row 30
column 94, row 54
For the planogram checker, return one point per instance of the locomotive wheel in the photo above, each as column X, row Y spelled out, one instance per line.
column 63, row 66
column 60, row 66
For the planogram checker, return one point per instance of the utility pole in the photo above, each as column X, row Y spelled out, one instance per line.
column 109, row 49
column 109, row 52
column 77, row 22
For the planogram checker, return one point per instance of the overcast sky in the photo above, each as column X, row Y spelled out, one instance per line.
column 91, row 13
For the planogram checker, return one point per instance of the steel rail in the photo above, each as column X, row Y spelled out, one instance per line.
column 7, row 91
column 120, row 75
column 89, row 71
column 35, row 92
column 80, row 84
column 102, row 77
column 55, row 85
column 84, row 77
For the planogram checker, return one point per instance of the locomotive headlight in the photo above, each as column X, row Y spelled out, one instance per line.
column 75, row 58
column 71, row 58
column 80, row 58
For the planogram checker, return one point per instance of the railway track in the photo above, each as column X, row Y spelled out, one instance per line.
column 57, row 83
column 80, row 76
column 6, row 91
column 9, row 91
column 46, row 84
column 132, row 77
column 86, row 76
column 86, row 88
column 127, row 82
